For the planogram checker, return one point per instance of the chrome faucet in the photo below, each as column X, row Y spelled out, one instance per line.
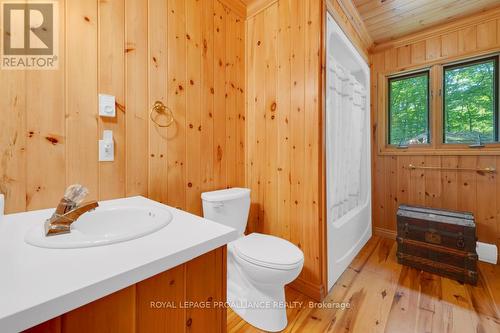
column 68, row 211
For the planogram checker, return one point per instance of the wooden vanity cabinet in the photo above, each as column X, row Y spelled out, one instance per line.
column 130, row 310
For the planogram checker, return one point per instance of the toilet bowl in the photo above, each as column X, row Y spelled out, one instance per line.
column 258, row 266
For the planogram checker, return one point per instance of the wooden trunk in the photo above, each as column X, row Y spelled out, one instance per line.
column 439, row 241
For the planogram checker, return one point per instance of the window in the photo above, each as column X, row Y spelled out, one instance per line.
column 451, row 106
column 470, row 102
column 409, row 109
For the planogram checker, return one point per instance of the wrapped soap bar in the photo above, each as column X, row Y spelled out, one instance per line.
column 73, row 196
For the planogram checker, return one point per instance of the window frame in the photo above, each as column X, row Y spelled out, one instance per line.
column 409, row 75
column 436, row 110
column 463, row 64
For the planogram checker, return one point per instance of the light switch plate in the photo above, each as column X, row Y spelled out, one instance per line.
column 107, row 105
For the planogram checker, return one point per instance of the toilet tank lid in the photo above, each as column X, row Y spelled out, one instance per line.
column 225, row 195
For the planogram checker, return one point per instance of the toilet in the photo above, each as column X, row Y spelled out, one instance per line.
column 258, row 266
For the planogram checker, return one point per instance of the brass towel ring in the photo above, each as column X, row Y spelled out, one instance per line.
column 160, row 108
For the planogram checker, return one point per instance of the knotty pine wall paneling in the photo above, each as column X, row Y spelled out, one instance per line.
column 136, row 103
column 82, row 76
column 187, row 54
column 284, row 129
column 395, row 184
column 111, row 77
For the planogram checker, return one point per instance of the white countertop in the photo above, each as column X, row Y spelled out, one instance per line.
column 37, row 284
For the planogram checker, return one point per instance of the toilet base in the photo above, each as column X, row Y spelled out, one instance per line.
column 262, row 306
column 268, row 313
column 272, row 324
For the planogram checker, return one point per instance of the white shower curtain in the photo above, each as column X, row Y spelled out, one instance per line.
column 345, row 113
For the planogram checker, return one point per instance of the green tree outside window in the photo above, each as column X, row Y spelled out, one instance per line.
column 469, row 102
column 409, row 109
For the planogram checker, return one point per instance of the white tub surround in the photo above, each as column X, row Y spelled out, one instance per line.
column 38, row 284
column 347, row 139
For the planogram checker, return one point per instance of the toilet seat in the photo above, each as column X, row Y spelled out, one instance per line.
column 268, row 251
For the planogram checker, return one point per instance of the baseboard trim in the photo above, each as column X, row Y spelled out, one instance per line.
column 315, row 291
column 386, row 233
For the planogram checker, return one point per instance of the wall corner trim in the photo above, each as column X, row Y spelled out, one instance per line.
column 237, row 6
column 257, row 6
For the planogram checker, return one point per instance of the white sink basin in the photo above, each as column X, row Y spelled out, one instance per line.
column 103, row 226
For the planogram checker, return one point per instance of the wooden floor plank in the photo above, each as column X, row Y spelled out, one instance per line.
column 491, row 275
column 387, row 297
column 405, row 302
column 485, row 315
column 455, row 294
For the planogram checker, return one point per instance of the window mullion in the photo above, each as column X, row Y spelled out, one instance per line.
column 436, row 113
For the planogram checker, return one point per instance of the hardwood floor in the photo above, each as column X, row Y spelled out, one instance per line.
column 387, row 297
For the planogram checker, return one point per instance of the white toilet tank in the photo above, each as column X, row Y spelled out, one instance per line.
column 229, row 207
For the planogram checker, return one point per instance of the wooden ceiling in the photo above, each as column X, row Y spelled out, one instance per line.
column 390, row 19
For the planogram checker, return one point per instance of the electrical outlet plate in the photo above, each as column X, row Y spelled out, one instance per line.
column 107, row 147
